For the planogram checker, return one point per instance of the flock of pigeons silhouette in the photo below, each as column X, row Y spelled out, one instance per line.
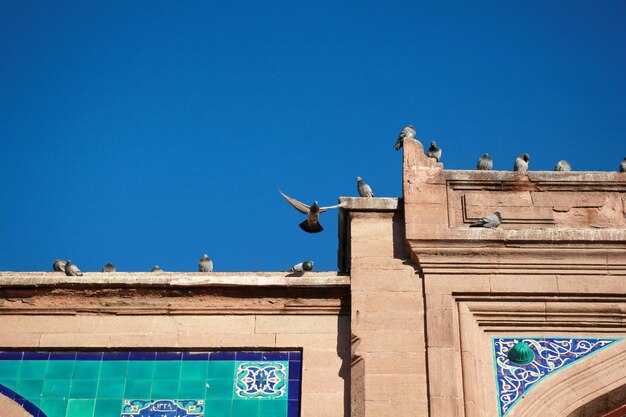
column 312, row 225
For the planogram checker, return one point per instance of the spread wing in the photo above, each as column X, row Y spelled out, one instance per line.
column 301, row 207
column 323, row 209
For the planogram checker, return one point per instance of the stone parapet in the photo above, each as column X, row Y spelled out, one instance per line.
column 173, row 279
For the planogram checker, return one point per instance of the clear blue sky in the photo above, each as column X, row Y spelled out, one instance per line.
column 151, row 132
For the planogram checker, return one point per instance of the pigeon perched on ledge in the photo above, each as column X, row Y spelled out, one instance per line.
column 156, row 268
column 485, row 163
column 408, row 132
column 521, row 163
column 363, row 188
column 205, row 264
column 563, row 166
column 109, row 267
column 622, row 166
column 58, row 265
column 302, row 266
column 72, row 270
column 493, row 220
column 311, row 224
column 434, row 151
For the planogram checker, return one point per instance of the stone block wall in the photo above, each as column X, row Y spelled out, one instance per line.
column 190, row 312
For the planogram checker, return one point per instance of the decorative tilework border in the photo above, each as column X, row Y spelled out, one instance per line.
column 294, row 356
column 294, row 385
column 541, row 367
column 26, row 405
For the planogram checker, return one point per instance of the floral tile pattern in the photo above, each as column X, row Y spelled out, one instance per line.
column 552, row 354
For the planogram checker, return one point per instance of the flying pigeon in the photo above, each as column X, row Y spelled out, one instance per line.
column 58, row 265
column 563, row 165
column 521, row 163
column 493, row 220
column 485, row 163
column 364, row 189
column 311, row 224
column 72, row 270
column 108, row 268
column 434, row 151
column 408, row 132
column 302, row 266
column 156, row 268
column 622, row 166
column 205, row 264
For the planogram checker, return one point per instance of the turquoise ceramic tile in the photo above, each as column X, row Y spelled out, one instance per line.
column 80, row 408
column 111, row 389
column 30, row 389
column 33, row 369
column 140, row 370
column 113, row 369
column 87, row 370
column 59, row 369
column 219, row 408
column 138, row 389
column 83, row 388
column 10, row 384
column 167, row 370
column 54, row 407
column 9, row 370
column 108, row 408
column 191, row 389
column 164, row 389
column 98, row 388
column 56, row 388
column 220, row 389
column 194, row 370
column 221, row 369
column 246, row 408
column 273, row 408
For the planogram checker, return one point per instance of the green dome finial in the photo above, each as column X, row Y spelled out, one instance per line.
column 521, row 354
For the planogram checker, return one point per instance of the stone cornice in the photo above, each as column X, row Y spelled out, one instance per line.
column 520, row 258
column 173, row 293
column 175, row 279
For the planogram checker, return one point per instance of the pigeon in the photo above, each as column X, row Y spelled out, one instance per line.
column 622, row 166
column 205, row 264
column 302, row 266
column 521, row 163
column 434, row 151
column 563, row 165
column 72, row 270
column 58, row 265
column 493, row 220
column 156, row 268
column 364, row 189
column 408, row 132
column 311, row 224
column 108, row 268
column 485, row 163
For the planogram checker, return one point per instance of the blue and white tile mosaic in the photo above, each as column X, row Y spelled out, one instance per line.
column 262, row 380
column 552, row 354
column 163, row 408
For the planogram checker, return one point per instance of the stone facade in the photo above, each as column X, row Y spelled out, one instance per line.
column 420, row 321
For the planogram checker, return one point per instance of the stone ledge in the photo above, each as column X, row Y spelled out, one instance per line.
column 371, row 203
column 180, row 279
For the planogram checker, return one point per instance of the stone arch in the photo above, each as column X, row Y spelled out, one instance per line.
column 588, row 388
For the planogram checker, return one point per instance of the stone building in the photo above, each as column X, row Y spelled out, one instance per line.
column 427, row 317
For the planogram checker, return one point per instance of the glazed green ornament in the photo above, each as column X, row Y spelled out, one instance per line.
column 521, row 354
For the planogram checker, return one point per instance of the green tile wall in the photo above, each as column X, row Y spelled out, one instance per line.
column 93, row 384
